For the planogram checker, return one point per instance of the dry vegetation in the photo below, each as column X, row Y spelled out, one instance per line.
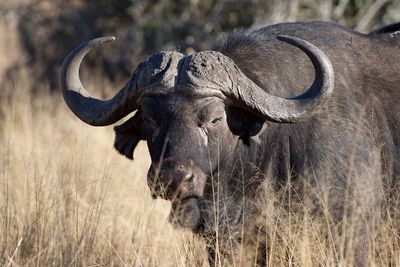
column 68, row 199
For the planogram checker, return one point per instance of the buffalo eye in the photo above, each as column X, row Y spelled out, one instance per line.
column 215, row 121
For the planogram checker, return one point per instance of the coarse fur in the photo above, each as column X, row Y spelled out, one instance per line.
column 360, row 119
column 218, row 160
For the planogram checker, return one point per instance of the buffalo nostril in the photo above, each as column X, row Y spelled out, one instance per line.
column 188, row 177
column 180, row 168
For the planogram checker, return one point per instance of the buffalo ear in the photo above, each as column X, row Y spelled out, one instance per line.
column 128, row 135
column 246, row 125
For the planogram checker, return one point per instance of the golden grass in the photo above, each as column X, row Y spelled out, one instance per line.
column 68, row 199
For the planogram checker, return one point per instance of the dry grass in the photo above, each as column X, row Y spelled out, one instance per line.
column 298, row 237
column 68, row 199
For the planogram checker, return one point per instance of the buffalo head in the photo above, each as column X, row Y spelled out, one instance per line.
column 193, row 111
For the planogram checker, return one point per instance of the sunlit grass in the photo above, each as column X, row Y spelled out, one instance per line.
column 68, row 199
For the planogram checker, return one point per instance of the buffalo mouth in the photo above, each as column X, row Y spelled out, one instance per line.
column 186, row 213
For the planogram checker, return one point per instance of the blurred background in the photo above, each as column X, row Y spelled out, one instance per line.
column 67, row 198
column 37, row 34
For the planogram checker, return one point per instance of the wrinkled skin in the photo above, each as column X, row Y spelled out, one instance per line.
column 194, row 142
column 189, row 138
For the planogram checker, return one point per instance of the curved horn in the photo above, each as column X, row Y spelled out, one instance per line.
column 91, row 110
column 293, row 109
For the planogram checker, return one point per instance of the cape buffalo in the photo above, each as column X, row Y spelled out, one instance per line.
column 311, row 104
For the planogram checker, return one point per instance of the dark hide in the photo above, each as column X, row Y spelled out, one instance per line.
column 387, row 29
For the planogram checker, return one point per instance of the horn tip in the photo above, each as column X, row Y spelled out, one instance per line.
column 286, row 38
column 107, row 39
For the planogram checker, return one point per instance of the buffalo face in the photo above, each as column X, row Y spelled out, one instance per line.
column 189, row 139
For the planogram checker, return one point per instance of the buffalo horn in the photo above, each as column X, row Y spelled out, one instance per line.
column 93, row 111
column 279, row 109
